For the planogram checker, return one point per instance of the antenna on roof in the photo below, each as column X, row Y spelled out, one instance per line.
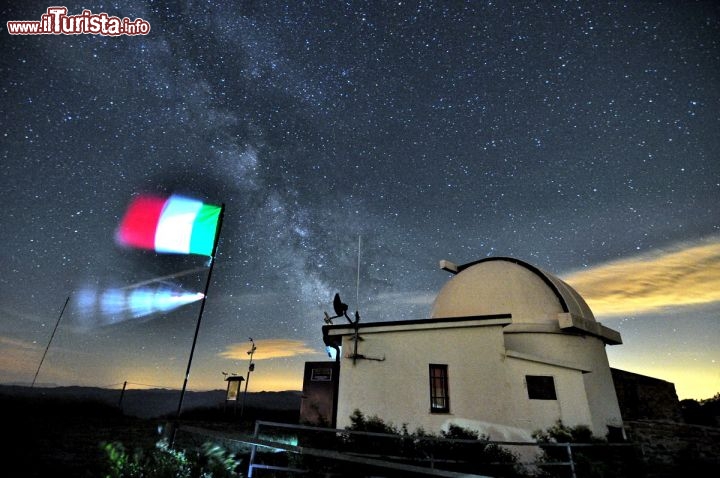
column 357, row 289
column 341, row 308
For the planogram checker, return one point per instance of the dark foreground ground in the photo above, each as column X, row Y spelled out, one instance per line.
column 50, row 437
column 55, row 435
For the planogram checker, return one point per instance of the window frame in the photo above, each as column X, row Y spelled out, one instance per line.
column 439, row 388
column 542, row 387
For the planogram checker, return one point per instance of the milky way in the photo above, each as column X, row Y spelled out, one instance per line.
column 567, row 134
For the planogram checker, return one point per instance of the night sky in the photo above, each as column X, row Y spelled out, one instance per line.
column 581, row 136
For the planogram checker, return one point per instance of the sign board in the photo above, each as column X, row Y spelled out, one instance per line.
column 321, row 375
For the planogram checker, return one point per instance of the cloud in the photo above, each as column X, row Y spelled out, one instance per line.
column 688, row 275
column 268, row 349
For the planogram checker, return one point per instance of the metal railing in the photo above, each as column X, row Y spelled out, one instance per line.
column 271, row 439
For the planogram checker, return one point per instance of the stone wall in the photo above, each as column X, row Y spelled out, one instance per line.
column 643, row 397
column 672, row 449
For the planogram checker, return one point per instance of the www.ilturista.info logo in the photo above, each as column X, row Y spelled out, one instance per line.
column 57, row 22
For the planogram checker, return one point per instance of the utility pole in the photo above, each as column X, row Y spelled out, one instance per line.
column 251, row 367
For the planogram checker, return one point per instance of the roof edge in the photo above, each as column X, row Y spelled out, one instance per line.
column 326, row 329
column 435, row 320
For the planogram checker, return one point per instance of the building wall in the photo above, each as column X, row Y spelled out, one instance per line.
column 397, row 389
column 587, row 353
column 487, row 389
column 571, row 406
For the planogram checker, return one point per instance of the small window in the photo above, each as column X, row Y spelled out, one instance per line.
column 439, row 396
column 540, row 387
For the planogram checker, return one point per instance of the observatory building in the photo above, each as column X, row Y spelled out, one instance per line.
column 508, row 349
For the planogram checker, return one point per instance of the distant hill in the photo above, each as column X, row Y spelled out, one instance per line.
column 151, row 403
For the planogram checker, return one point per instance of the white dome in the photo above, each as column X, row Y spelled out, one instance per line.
column 501, row 285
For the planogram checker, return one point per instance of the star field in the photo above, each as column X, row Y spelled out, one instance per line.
column 569, row 134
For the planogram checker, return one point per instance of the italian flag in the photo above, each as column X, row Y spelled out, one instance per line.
column 174, row 224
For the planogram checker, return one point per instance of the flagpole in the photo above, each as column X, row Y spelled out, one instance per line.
column 48, row 345
column 202, row 306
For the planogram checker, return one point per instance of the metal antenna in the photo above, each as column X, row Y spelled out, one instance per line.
column 357, row 290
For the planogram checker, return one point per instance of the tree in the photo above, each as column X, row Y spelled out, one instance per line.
column 703, row 412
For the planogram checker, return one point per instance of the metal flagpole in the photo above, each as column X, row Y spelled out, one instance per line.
column 48, row 345
column 202, row 306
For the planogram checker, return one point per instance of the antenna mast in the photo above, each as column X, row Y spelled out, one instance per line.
column 357, row 289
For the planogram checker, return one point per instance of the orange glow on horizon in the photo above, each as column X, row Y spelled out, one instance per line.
column 691, row 380
column 17, row 354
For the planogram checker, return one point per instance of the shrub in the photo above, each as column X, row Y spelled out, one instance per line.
column 598, row 461
column 561, row 433
column 360, row 423
column 422, row 448
column 162, row 461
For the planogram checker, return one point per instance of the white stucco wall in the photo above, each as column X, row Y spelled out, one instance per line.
column 587, row 353
column 487, row 388
column 571, row 405
column 397, row 389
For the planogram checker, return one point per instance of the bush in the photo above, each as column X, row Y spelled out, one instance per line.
column 420, row 448
column 561, row 433
column 162, row 461
column 598, row 461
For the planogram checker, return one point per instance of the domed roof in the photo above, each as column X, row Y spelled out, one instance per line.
column 499, row 285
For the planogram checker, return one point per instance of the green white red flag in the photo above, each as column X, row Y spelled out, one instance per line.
column 174, row 224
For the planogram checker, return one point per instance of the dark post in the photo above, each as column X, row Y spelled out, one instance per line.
column 122, row 394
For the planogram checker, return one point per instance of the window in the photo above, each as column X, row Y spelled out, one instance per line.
column 540, row 387
column 439, row 397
